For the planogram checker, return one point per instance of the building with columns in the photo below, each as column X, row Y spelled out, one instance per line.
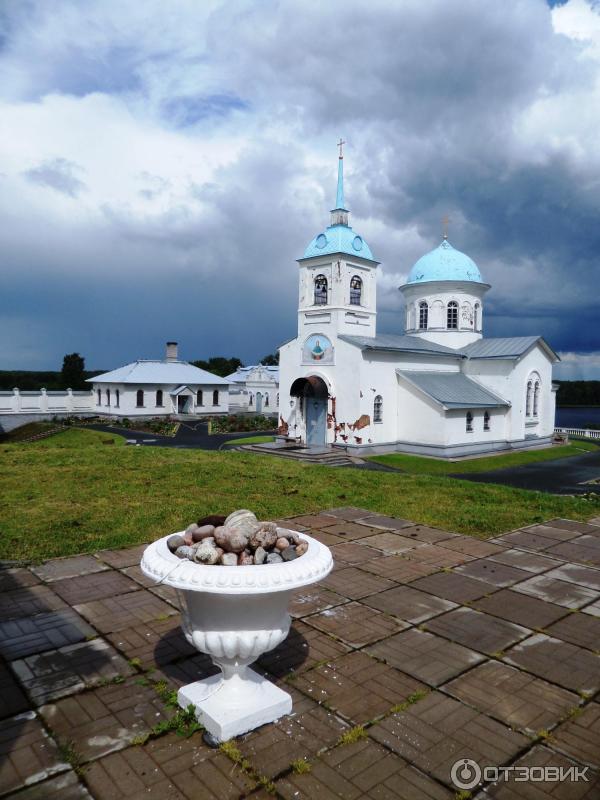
column 440, row 389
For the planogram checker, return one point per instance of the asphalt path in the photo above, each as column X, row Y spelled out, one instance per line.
column 190, row 435
column 560, row 476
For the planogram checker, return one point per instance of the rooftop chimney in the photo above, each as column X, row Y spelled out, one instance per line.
column 171, row 351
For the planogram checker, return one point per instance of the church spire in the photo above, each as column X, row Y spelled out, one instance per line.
column 339, row 215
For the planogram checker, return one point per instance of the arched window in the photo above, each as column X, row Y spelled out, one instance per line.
column 251, row 399
column 378, row 409
column 486, row 420
column 423, row 315
column 320, row 290
column 355, row 291
column 469, row 421
column 99, row 397
column 277, row 399
column 139, row 398
column 452, row 315
column 266, row 399
column 477, row 317
column 108, row 397
column 536, row 398
column 117, row 397
column 528, row 399
column 199, row 398
column 159, row 398
column 216, row 397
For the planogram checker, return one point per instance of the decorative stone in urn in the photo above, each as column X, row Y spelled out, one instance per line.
column 234, row 614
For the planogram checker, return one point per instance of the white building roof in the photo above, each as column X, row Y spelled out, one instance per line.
column 166, row 372
column 242, row 374
column 453, row 389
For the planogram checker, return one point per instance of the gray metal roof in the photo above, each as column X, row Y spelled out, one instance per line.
column 401, row 344
column 169, row 372
column 512, row 347
column 453, row 389
column 242, row 373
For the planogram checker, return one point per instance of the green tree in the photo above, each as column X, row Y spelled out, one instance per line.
column 272, row 360
column 73, row 372
column 219, row 365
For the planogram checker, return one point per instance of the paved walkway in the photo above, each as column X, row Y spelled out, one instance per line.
column 190, row 435
column 572, row 475
column 421, row 648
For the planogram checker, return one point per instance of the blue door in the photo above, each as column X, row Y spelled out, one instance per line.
column 316, row 421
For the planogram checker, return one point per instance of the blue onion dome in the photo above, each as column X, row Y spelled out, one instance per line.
column 445, row 264
column 338, row 239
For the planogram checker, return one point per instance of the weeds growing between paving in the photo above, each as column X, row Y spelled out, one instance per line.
column 82, row 491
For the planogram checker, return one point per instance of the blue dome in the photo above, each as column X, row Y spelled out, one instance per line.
column 338, row 239
column 444, row 264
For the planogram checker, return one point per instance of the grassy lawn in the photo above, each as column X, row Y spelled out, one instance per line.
column 417, row 465
column 252, row 440
column 72, row 494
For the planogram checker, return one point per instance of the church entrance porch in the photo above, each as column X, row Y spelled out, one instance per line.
column 312, row 394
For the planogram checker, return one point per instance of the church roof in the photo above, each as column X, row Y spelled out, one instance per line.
column 339, row 236
column 510, row 347
column 401, row 344
column 453, row 389
column 169, row 372
column 242, row 374
column 444, row 263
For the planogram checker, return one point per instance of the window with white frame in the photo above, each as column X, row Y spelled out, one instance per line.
column 355, row 291
column 536, row 398
column 320, row 298
column 159, row 398
column 108, row 397
column 378, row 409
column 216, row 397
column 117, row 398
column 423, row 315
column 486, row 420
column 452, row 315
column 99, row 397
column 477, row 317
column 469, row 422
column 139, row 398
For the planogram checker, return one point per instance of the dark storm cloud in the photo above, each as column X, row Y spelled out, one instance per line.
column 435, row 100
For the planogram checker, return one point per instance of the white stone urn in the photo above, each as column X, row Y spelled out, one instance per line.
column 234, row 614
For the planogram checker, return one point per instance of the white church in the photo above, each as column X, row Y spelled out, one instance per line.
column 440, row 389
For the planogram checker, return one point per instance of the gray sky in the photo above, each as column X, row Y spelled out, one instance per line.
column 162, row 165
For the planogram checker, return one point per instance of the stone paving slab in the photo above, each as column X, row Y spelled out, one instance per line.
column 106, row 719
column 304, row 647
column 353, row 583
column 580, row 629
column 436, row 731
column 154, row 643
column 578, row 551
column 437, row 555
column 530, row 562
column 382, row 521
column 129, row 610
column 574, row 525
column 453, row 586
column 65, row 786
column 86, row 588
column 390, row 543
column 60, row 568
column 426, row 657
column 56, row 673
column 349, row 513
column 559, row 662
column 353, row 553
column 541, row 756
column 28, row 635
column 477, row 631
column 522, row 609
column 409, row 604
column 553, row 590
column 513, row 697
column 574, row 573
column 12, row 698
column 176, row 675
column 127, row 557
column 313, row 599
column 349, row 531
column 473, row 547
column 358, row 687
column 491, row 572
column 427, row 535
column 27, row 754
column 17, row 578
column 324, row 520
column 551, row 531
column 579, row 737
column 363, row 769
column 169, row 768
column 355, row 624
column 593, row 608
column 525, row 540
column 398, row 569
column 28, row 601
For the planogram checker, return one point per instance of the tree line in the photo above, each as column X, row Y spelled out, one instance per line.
column 73, row 373
column 578, row 393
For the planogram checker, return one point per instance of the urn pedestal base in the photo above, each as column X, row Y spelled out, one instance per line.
column 227, row 711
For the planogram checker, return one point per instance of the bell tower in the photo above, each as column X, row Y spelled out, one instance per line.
column 337, row 280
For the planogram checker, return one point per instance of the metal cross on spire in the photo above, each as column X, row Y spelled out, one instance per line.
column 445, row 223
column 341, row 144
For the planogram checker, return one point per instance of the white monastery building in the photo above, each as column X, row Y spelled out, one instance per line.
column 153, row 388
column 254, row 389
column 441, row 389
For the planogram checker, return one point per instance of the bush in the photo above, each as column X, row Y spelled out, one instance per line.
column 238, row 423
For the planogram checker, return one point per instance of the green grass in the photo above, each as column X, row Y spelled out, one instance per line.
column 252, row 440
column 417, row 465
column 72, row 494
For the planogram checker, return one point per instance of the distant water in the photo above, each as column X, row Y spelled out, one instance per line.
column 577, row 417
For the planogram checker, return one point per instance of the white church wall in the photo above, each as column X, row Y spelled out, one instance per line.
column 419, row 419
column 456, row 426
column 128, row 406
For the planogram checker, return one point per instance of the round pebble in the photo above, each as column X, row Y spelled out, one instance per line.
column 274, row 558
column 175, row 541
column 229, row 560
column 206, row 554
column 245, row 559
column 204, row 532
column 289, row 554
column 185, row 551
column 282, row 543
column 260, row 555
column 302, row 547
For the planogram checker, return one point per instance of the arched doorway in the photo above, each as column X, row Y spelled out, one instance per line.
column 312, row 393
column 259, row 402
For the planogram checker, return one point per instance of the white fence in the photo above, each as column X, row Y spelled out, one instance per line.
column 45, row 402
column 585, row 432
